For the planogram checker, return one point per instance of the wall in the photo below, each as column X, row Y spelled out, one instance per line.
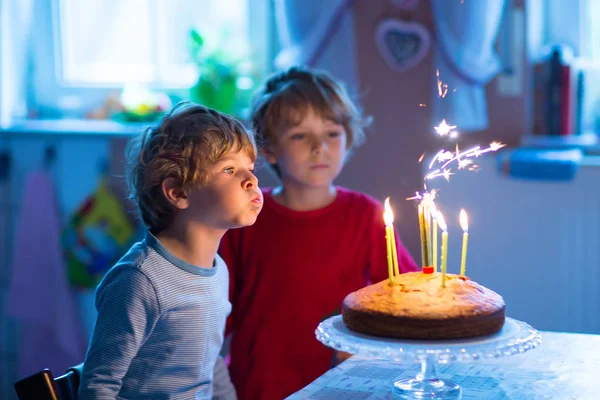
column 76, row 171
column 387, row 164
column 542, row 261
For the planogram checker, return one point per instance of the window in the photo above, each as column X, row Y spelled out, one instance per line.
column 113, row 42
column 572, row 27
column 81, row 51
column 592, row 21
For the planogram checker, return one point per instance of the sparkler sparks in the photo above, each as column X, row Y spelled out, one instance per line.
column 441, row 86
column 463, row 160
column 443, row 129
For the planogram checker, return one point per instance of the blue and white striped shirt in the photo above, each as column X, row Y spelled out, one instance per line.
column 159, row 330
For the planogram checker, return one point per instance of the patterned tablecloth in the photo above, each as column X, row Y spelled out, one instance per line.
column 565, row 366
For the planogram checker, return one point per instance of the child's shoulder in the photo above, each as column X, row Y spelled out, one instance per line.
column 353, row 197
column 132, row 261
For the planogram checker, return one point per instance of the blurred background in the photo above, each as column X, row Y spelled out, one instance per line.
column 78, row 78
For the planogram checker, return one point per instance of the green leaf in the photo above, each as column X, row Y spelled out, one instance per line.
column 197, row 38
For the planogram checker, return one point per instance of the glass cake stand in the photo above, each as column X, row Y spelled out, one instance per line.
column 514, row 337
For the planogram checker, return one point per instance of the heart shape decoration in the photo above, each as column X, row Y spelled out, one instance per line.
column 402, row 44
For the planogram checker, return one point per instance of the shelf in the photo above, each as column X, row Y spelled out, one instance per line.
column 72, row 128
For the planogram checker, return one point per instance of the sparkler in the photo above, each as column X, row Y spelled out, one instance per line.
column 441, row 166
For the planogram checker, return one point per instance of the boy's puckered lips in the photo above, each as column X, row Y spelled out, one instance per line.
column 319, row 166
column 257, row 199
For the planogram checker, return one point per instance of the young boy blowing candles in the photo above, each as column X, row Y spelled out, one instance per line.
column 162, row 307
column 313, row 243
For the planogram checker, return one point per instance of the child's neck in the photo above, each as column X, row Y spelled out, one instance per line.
column 303, row 198
column 193, row 243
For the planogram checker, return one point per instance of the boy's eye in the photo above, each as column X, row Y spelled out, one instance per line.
column 298, row 136
column 228, row 170
column 334, row 134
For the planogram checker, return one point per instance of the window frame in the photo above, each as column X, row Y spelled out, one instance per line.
column 51, row 96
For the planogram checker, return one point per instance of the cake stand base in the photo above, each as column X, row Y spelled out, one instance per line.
column 515, row 337
column 426, row 385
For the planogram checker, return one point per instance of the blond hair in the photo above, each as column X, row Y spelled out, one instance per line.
column 184, row 145
column 286, row 97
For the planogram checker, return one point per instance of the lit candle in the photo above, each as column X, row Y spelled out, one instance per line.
column 444, row 228
column 435, row 235
column 394, row 251
column 388, row 218
column 464, row 224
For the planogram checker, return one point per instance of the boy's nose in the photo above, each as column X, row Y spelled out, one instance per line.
column 251, row 182
column 318, row 146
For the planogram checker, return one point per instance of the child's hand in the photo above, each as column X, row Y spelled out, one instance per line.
column 339, row 357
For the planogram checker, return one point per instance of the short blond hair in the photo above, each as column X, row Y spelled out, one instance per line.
column 286, row 97
column 184, row 145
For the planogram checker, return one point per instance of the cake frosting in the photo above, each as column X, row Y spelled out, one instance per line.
column 417, row 306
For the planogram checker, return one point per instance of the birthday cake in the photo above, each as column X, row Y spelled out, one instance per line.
column 416, row 306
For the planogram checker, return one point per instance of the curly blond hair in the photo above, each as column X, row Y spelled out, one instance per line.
column 184, row 145
column 286, row 97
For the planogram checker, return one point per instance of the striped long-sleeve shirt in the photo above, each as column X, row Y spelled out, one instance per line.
column 159, row 329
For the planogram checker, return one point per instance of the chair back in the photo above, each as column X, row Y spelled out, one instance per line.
column 43, row 385
column 37, row 386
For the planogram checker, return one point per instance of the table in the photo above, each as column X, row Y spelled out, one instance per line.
column 565, row 366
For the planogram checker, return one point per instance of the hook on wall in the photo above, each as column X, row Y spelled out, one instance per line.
column 104, row 166
column 5, row 164
column 49, row 155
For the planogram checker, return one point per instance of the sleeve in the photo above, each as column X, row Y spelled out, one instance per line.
column 230, row 252
column 222, row 387
column 128, row 310
column 377, row 268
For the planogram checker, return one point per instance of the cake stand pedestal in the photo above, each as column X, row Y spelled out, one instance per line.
column 514, row 337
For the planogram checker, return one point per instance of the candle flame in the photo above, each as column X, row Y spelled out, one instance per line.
column 464, row 220
column 441, row 222
column 388, row 215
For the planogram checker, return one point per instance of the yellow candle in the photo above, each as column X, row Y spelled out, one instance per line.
column 423, row 232
column 464, row 224
column 394, row 250
column 443, row 227
column 388, row 218
column 388, row 242
column 428, row 231
column 434, row 249
column 444, row 256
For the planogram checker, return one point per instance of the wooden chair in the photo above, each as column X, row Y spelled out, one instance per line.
column 43, row 385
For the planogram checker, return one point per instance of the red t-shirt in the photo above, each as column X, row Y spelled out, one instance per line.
column 288, row 272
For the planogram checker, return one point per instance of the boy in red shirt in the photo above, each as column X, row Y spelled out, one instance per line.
column 312, row 244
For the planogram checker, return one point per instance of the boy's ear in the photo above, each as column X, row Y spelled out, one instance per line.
column 269, row 155
column 175, row 194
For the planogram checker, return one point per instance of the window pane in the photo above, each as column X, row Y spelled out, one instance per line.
column 106, row 40
column 119, row 41
column 593, row 21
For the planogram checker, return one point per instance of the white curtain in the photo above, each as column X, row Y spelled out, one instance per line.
column 465, row 35
column 318, row 34
column 15, row 27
